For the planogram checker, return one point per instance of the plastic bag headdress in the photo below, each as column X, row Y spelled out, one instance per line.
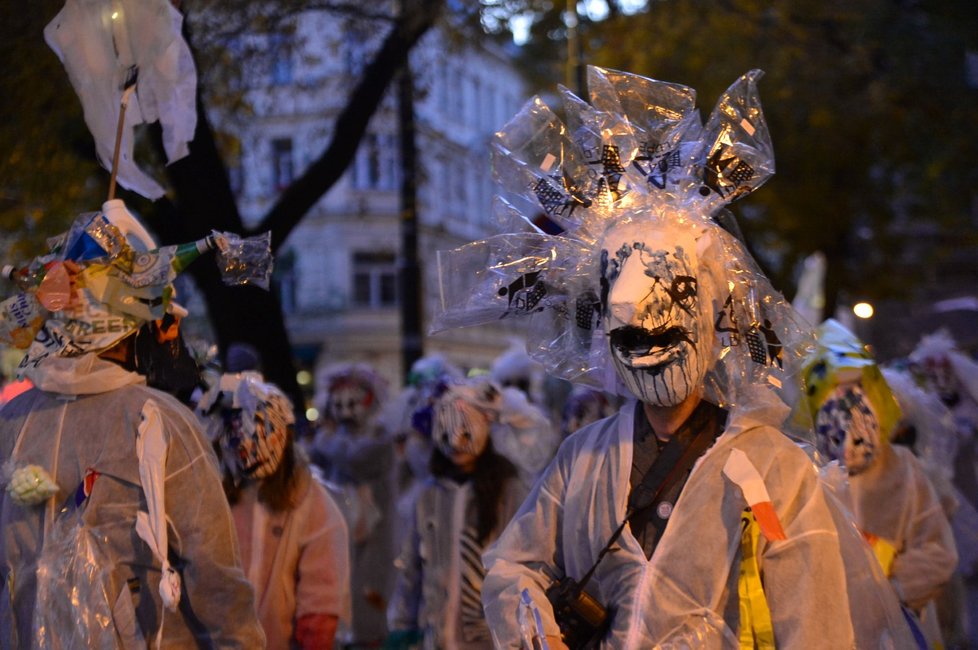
column 640, row 273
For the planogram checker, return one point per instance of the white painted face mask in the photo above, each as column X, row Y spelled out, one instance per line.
column 848, row 428
column 657, row 322
column 349, row 405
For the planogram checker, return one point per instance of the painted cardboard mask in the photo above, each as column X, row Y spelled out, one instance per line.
column 255, row 436
column 657, row 320
column 462, row 421
column 848, row 428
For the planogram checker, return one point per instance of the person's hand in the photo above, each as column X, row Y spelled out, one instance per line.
column 315, row 631
column 556, row 643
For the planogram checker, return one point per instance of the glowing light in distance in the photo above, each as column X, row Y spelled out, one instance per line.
column 303, row 377
column 863, row 310
column 312, row 414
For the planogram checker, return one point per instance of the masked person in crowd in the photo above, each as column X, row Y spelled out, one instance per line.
column 356, row 456
column 688, row 519
column 894, row 503
column 942, row 369
column 114, row 529
column 292, row 535
column 472, row 493
column 583, row 406
column 428, row 376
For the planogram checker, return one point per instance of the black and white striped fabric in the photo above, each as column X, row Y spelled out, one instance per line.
column 474, row 626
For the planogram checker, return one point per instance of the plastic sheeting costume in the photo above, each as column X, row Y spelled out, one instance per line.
column 114, row 529
column 895, row 505
column 292, row 534
column 357, row 457
column 645, row 295
column 460, row 510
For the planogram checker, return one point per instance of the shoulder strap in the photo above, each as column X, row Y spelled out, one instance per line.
column 672, row 464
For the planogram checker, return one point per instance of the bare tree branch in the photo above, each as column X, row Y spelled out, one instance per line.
column 416, row 19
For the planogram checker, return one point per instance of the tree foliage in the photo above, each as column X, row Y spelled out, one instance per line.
column 869, row 106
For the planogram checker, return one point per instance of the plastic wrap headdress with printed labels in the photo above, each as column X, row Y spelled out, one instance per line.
column 632, row 177
column 102, row 280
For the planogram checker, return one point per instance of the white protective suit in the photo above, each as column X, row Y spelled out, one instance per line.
column 427, row 592
column 821, row 584
column 87, row 418
column 894, row 500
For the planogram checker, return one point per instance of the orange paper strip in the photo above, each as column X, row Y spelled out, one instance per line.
column 768, row 520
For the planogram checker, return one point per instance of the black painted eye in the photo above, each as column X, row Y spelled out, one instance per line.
column 683, row 290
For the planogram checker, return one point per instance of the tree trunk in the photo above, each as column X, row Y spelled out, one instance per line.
column 203, row 201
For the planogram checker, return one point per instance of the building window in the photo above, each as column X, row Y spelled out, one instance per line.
column 374, row 279
column 281, row 163
column 375, row 167
column 284, row 280
column 281, row 60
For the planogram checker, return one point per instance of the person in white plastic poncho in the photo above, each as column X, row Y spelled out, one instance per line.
column 292, row 535
column 114, row 531
column 461, row 509
column 893, row 501
column 688, row 519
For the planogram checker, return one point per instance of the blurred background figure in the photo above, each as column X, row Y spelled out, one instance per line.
column 470, row 497
column 292, row 536
column 356, row 456
column 412, row 446
column 940, row 368
column 895, row 505
column 515, row 369
column 927, row 428
column 583, row 406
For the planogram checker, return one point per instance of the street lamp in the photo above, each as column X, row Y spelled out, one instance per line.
column 863, row 310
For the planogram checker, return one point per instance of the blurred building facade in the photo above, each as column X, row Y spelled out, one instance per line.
column 337, row 272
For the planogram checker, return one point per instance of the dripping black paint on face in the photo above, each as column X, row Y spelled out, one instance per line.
column 657, row 332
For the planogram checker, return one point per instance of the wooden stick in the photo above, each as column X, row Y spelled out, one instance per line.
column 126, row 94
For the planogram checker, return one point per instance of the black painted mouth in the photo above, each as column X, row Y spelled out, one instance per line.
column 631, row 341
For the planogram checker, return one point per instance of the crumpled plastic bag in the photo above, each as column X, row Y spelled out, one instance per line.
column 245, row 260
column 73, row 609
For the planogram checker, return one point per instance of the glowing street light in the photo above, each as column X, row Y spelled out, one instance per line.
column 863, row 310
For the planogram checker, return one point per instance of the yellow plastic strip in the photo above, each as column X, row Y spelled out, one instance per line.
column 884, row 551
column 756, row 630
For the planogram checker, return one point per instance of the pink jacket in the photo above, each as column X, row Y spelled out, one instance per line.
column 298, row 561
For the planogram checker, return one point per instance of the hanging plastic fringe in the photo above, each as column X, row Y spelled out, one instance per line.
column 636, row 159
